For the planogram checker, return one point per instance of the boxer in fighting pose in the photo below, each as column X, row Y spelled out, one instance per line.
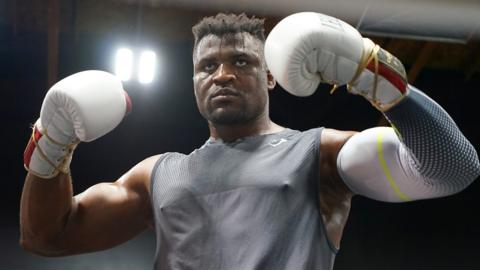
column 256, row 195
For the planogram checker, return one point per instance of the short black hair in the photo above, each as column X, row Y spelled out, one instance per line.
column 226, row 24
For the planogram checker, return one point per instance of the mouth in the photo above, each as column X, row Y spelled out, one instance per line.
column 224, row 93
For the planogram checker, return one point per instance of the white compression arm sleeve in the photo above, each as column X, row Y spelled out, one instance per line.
column 429, row 158
column 376, row 164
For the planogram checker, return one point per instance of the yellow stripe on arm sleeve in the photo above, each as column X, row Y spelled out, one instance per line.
column 386, row 170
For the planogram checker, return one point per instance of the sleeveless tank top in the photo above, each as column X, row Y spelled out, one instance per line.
column 252, row 204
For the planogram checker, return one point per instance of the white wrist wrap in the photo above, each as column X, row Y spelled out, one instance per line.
column 46, row 157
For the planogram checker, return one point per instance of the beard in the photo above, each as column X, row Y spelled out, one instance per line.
column 232, row 115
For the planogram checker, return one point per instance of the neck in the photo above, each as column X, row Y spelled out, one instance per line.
column 259, row 126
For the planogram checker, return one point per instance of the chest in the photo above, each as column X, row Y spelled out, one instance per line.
column 284, row 169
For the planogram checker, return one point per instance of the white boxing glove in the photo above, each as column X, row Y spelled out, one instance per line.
column 81, row 107
column 305, row 49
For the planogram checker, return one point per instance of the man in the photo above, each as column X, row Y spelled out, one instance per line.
column 256, row 195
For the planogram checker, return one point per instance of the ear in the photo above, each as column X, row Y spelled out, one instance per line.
column 270, row 81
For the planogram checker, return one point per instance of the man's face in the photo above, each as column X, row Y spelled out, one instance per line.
column 231, row 81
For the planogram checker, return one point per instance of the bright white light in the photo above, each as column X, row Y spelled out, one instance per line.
column 124, row 64
column 146, row 67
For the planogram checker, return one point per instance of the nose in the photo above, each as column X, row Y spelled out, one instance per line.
column 224, row 75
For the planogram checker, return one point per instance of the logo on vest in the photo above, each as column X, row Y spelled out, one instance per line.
column 276, row 143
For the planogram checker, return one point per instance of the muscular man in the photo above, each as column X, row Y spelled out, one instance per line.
column 256, row 195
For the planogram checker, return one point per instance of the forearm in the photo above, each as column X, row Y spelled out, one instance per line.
column 438, row 150
column 44, row 211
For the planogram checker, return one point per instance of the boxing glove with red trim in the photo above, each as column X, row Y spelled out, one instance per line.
column 81, row 107
column 305, row 49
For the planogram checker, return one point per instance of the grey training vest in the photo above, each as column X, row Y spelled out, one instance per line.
column 250, row 204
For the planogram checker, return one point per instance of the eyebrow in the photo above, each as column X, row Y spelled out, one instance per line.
column 236, row 54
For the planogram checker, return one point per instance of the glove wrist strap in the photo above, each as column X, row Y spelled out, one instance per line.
column 385, row 66
column 46, row 157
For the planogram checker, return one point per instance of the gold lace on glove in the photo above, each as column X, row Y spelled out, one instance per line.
column 367, row 57
column 63, row 162
column 375, row 54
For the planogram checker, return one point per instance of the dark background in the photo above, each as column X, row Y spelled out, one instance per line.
column 433, row 234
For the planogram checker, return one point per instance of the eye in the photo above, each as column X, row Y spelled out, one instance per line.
column 240, row 62
column 209, row 66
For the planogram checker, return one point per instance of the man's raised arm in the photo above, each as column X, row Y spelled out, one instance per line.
column 81, row 107
column 423, row 155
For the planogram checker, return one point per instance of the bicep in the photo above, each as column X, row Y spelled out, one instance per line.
column 108, row 214
column 374, row 163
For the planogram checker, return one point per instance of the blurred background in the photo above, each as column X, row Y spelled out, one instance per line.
column 42, row 42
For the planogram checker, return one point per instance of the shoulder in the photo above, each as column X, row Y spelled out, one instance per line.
column 331, row 142
column 138, row 178
column 333, row 138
